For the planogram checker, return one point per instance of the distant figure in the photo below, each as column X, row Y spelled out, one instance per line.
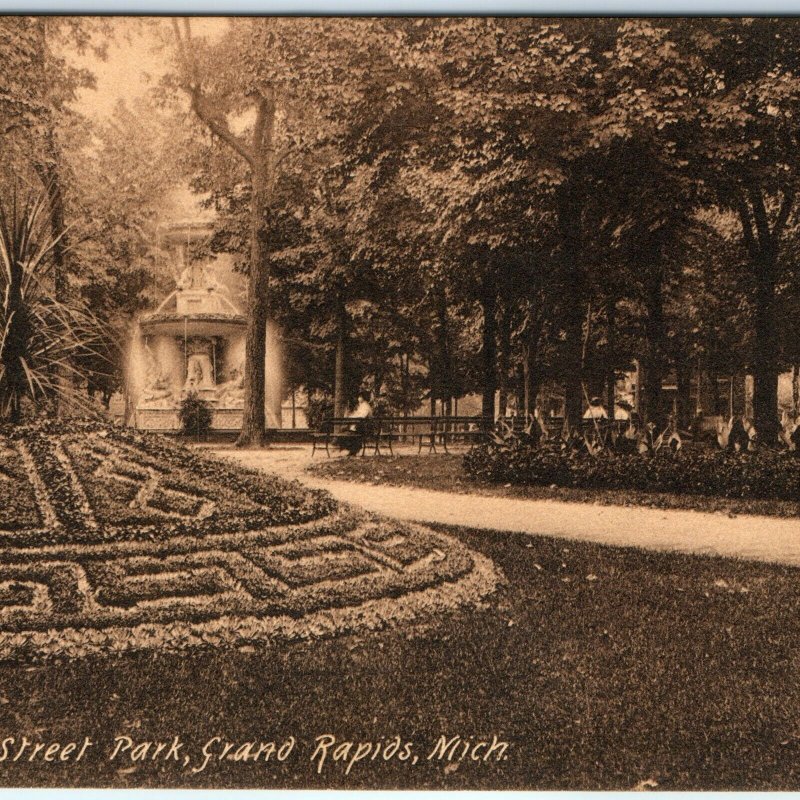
column 364, row 408
column 352, row 440
column 595, row 410
column 794, row 438
column 622, row 411
column 738, row 437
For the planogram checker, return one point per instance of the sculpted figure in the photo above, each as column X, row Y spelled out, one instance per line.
column 157, row 392
column 231, row 393
column 198, row 372
column 186, row 280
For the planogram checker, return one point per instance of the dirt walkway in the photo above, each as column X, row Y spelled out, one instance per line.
column 749, row 537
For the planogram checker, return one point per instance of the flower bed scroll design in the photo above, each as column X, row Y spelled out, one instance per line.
column 118, row 540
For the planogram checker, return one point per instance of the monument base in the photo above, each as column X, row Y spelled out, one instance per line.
column 165, row 420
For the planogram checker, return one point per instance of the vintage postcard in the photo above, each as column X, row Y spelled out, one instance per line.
column 399, row 402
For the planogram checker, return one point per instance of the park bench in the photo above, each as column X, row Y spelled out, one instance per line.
column 430, row 430
column 384, row 431
column 374, row 431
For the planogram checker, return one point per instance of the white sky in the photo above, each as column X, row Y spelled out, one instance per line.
column 135, row 63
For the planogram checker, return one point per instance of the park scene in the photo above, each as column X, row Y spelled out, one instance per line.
column 400, row 403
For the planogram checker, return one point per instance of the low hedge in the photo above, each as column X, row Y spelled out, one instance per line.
column 764, row 474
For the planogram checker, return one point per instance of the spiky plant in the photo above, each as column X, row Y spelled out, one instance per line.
column 40, row 334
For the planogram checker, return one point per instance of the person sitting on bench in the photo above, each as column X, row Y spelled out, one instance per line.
column 352, row 439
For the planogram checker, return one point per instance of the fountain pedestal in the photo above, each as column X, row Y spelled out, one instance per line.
column 193, row 342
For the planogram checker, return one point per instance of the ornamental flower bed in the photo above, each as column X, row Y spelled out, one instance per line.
column 764, row 474
column 113, row 540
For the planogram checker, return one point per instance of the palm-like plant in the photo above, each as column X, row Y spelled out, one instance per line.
column 40, row 335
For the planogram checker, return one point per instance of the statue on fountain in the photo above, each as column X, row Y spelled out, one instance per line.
column 157, row 391
column 199, row 369
column 231, row 393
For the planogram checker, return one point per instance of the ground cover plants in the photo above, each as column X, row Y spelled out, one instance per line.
column 115, row 540
column 443, row 472
column 763, row 474
column 603, row 667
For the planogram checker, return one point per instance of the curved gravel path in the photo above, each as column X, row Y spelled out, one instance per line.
column 754, row 538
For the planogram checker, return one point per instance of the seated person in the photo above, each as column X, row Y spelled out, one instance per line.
column 352, row 440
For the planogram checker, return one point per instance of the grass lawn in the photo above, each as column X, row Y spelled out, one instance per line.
column 445, row 473
column 601, row 667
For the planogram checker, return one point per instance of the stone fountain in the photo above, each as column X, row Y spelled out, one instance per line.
column 192, row 343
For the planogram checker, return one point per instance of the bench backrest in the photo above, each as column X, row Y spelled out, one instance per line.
column 388, row 424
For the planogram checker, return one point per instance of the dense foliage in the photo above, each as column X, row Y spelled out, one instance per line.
column 42, row 338
column 195, row 416
column 764, row 474
column 433, row 207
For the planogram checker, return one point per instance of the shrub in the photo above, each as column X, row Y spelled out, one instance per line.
column 44, row 339
column 195, row 416
column 320, row 409
column 764, row 474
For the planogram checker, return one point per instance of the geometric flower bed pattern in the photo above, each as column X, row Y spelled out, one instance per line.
column 113, row 540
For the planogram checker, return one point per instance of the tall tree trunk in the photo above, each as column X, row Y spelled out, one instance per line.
column 340, row 377
column 573, row 383
column 655, row 332
column 259, row 154
column 738, row 395
column 611, row 373
column 47, row 170
column 762, row 243
column 575, row 294
column 765, row 364
column 489, row 306
column 683, row 404
column 504, row 358
column 255, row 342
column 443, row 381
column 519, row 383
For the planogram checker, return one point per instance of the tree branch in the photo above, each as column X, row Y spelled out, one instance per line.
column 783, row 213
column 191, row 84
column 747, row 223
column 760, row 215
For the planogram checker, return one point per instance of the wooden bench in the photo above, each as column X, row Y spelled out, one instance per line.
column 432, row 430
column 373, row 432
column 384, row 431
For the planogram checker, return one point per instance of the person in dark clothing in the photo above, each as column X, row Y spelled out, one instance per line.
column 794, row 438
column 738, row 438
column 352, row 439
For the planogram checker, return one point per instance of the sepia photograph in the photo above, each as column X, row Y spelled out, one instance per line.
column 400, row 402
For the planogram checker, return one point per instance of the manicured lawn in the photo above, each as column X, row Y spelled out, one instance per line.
column 601, row 667
column 445, row 473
